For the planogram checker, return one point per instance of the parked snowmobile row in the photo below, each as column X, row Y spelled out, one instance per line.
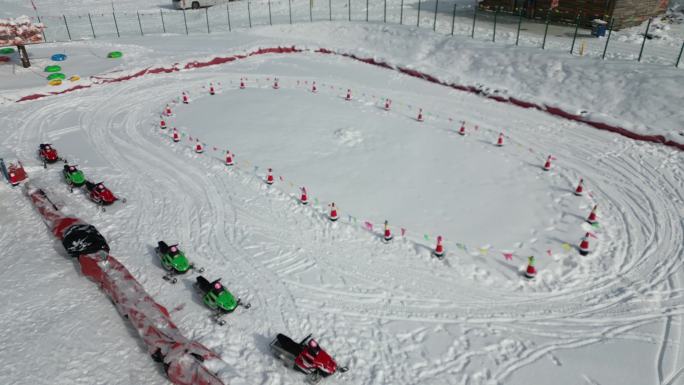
column 74, row 177
column 305, row 356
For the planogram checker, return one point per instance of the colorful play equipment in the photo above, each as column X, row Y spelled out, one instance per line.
column 6, row 50
column 58, row 57
column 56, row 75
column 114, row 54
column 53, row 68
column 55, row 82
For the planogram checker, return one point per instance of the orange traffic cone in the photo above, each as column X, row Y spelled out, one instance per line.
column 199, row 148
column 462, row 130
column 242, row 84
column 420, row 115
column 348, row 97
column 313, row 87
column 387, row 236
column 162, row 124
column 212, row 91
column 499, row 142
column 439, row 249
column 584, row 245
column 580, row 188
column 176, row 137
column 531, row 271
column 333, row 212
column 388, row 104
column 275, row 84
column 167, row 111
column 269, row 176
column 229, row 159
column 186, row 99
column 592, row 216
column 304, row 199
column 547, row 165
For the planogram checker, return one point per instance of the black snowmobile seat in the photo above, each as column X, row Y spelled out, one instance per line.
column 289, row 345
column 203, row 284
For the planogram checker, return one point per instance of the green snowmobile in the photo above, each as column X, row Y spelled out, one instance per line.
column 218, row 298
column 174, row 260
column 73, row 176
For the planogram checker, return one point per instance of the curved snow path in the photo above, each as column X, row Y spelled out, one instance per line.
column 403, row 317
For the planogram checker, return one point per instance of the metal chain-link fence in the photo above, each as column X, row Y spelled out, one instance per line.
column 442, row 16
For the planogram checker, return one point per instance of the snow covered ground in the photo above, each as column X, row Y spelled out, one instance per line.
column 392, row 312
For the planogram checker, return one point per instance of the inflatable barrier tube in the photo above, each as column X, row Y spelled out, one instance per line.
column 56, row 75
column 55, row 82
column 58, row 57
column 114, row 54
column 6, row 51
column 74, row 78
column 53, row 68
column 4, row 59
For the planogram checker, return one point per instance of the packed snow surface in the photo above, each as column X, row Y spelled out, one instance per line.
column 392, row 312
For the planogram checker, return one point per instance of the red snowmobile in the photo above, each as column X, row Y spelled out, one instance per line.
column 13, row 171
column 98, row 193
column 305, row 356
column 47, row 154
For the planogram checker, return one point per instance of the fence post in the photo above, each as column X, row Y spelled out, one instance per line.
column 185, row 20
column 434, row 25
column 401, row 13
column 42, row 30
column 249, row 14
column 228, row 14
column 140, row 23
column 517, row 36
column 546, row 30
column 91, row 26
column 67, row 27
column 680, row 56
column 116, row 25
column 472, row 33
column 161, row 13
column 648, row 25
column 418, row 20
column 384, row 13
column 453, row 20
column 289, row 6
column 270, row 20
column 496, row 13
column 574, row 37
column 366, row 11
column 206, row 13
column 349, row 8
column 310, row 11
column 610, row 32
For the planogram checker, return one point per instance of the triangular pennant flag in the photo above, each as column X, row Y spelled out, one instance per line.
column 427, row 237
column 484, row 250
column 508, row 256
column 566, row 247
column 368, row 225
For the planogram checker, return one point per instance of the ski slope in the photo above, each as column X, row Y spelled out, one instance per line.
column 391, row 311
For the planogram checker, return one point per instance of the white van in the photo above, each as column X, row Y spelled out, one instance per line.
column 194, row 4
